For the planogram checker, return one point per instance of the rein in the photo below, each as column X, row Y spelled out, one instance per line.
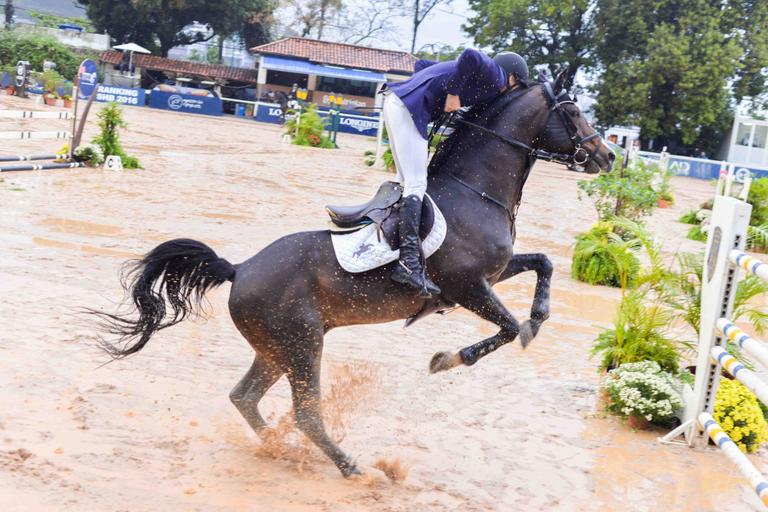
column 532, row 153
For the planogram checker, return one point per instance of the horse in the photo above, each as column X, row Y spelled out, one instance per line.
column 287, row 296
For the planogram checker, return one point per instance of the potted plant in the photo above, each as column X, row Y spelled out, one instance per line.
column 50, row 99
column 67, row 101
column 643, row 393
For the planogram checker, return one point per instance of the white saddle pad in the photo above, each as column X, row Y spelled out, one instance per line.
column 361, row 250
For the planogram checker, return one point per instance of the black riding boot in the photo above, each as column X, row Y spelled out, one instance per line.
column 410, row 268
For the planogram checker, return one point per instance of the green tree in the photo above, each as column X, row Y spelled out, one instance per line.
column 674, row 67
column 36, row 49
column 160, row 25
column 553, row 33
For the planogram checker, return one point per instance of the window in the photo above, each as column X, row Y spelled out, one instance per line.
column 743, row 134
column 286, row 79
column 761, row 132
column 345, row 86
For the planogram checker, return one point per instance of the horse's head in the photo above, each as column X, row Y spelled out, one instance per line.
column 568, row 133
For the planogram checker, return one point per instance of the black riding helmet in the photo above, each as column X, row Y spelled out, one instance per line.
column 512, row 64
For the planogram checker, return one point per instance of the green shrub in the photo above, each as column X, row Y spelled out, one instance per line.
column 643, row 389
column 311, row 129
column 603, row 257
column 36, row 49
column 110, row 123
column 389, row 159
column 696, row 233
column 758, row 198
column 640, row 333
column 623, row 192
column 689, row 217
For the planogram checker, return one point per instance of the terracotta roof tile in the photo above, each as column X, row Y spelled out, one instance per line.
column 339, row 54
column 183, row 67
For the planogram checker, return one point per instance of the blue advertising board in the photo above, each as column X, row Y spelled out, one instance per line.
column 703, row 168
column 122, row 95
column 87, row 78
column 355, row 124
column 187, row 103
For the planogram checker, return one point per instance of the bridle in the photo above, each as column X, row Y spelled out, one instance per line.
column 580, row 155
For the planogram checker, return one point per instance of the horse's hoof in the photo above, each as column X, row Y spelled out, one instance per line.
column 350, row 471
column 444, row 361
column 526, row 333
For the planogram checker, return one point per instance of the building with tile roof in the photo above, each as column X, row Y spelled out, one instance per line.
column 331, row 74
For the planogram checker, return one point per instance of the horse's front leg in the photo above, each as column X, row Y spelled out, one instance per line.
column 540, row 309
column 481, row 300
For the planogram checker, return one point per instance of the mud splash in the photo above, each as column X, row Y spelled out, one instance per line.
column 349, row 386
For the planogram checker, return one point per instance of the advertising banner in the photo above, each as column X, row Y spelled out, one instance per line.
column 703, row 168
column 122, row 95
column 87, row 78
column 354, row 124
column 187, row 103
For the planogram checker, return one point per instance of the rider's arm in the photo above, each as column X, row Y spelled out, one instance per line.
column 469, row 62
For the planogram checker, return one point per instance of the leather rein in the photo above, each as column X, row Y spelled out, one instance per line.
column 580, row 155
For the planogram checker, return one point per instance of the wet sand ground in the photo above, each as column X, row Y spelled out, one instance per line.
column 518, row 431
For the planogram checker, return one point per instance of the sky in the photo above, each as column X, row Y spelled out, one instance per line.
column 442, row 26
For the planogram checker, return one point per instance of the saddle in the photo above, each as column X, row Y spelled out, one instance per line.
column 381, row 210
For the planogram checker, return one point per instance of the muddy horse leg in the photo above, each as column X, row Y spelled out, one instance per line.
column 251, row 388
column 540, row 308
column 484, row 303
column 304, row 377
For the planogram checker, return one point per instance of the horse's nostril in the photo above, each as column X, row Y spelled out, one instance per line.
column 611, row 157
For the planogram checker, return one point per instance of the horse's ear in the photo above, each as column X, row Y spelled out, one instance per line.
column 575, row 99
column 560, row 81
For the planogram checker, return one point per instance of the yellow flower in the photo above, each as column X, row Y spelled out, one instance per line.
column 739, row 413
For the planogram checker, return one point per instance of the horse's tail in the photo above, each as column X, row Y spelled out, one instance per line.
column 176, row 273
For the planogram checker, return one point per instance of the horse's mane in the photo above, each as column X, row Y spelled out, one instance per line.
column 480, row 114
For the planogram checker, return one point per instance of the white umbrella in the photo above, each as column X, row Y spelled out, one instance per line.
column 131, row 47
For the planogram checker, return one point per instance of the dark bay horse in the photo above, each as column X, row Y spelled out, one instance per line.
column 286, row 297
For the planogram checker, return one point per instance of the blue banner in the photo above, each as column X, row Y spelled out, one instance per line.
column 187, row 103
column 268, row 113
column 87, row 78
column 703, row 168
column 122, row 95
column 357, row 125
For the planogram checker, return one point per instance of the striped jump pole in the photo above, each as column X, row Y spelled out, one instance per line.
column 40, row 167
column 24, row 135
column 740, row 373
column 726, row 444
column 32, row 114
column 748, row 263
column 750, row 345
column 28, row 158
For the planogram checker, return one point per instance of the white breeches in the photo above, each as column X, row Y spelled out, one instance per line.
column 409, row 148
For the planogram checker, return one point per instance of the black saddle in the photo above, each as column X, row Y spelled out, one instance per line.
column 382, row 211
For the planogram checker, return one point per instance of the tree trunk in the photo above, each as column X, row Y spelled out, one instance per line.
column 221, row 49
column 8, row 14
column 416, row 23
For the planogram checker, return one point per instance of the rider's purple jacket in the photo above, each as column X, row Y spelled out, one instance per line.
column 474, row 78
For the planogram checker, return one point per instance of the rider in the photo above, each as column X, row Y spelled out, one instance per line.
column 409, row 106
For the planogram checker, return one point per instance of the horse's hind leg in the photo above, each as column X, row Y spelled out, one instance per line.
column 251, row 388
column 304, row 376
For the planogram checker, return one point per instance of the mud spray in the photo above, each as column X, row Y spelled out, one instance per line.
column 350, row 385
